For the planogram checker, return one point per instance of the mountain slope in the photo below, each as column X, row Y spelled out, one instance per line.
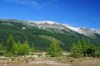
column 41, row 38
column 84, row 31
column 58, row 28
column 95, row 30
column 55, row 27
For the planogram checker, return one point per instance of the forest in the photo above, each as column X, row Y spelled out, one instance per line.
column 40, row 38
column 79, row 49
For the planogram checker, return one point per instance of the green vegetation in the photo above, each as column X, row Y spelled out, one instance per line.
column 10, row 44
column 40, row 38
column 17, row 49
column 50, row 38
column 54, row 50
column 85, row 48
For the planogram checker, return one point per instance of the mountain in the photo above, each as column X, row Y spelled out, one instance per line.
column 55, row 27
column 95, row 30
column 41, row 33
column 82, row 30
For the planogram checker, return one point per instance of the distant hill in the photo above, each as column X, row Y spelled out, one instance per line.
column 42, row 33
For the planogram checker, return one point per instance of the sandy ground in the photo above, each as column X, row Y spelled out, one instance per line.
column 49, row 61
column 36, row 62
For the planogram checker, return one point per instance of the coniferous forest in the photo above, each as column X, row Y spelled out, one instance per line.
column 41, row 38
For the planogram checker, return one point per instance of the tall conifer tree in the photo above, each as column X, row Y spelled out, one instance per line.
column 10, row 43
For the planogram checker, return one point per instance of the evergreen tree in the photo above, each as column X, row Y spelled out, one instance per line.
column 74, row 48
column 32, row 49
column 94, row 51
column 26, row 47
column 19, row 48
column 79, row 47
column 15, row 49
column 54, row 49
column 10, row 43
column 84, row 46
column 59, row 50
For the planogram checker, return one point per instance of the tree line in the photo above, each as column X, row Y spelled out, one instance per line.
column 83, row 48
column 17, row 48
column 25, row 49
column 79, row 49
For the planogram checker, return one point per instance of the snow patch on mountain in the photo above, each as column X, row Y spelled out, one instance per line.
column 43, row 22
column 46, row 24
column 95, row 30
column 72, row 28
column 81, row 30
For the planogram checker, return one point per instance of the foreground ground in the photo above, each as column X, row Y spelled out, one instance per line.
column 49, row 61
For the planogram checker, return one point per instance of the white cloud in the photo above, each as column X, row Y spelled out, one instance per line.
column 35, row 3
column 25, row 2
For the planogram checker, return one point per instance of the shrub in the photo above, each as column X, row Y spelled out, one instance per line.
column 76, row 55
column 98, row 55
column 39, row 55
column 32, row 54
column 8, row 54
column 32, row 58
column 12, row 58
column 72, row 60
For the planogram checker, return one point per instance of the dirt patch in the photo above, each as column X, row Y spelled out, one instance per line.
column 29, row 62
column 49, row 61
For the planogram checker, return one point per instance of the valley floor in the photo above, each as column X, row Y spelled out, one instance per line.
column 49, row 61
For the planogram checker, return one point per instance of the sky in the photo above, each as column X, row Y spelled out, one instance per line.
column 76, row 13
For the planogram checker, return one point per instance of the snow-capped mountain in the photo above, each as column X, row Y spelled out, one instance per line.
column 95, row 30
column 82, row 30
column 72, row 28
column 55, row 27
column 46, row 24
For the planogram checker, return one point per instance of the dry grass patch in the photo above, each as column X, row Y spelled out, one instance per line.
column 85, row 61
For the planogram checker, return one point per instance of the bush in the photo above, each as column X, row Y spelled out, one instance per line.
column 32, row 58
column 76, row 55
column 72, row 60
column 32, row 54
column 8, row 54
column 2, row 52
column 53, row 55
column 12, row 58
column 39, row 55
column 98, row 55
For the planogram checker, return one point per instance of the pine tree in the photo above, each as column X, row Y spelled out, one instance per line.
column 84, row 46
column 94, row 51
column 10, row 43
column 79, row 47
column 59, row 50
column 26, row 47
column 19, row 48
column 15, row 49
column 32, row 49
column 54, row 49
column 73, row 49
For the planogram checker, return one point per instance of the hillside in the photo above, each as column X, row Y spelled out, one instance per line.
column 40, row 37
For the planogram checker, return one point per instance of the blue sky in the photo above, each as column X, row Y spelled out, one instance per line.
column 76, row 13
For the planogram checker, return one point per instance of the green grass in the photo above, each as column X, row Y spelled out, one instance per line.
column 51, row 38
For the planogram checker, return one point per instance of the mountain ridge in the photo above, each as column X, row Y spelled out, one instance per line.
column 55, row 27
column 24, row 30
